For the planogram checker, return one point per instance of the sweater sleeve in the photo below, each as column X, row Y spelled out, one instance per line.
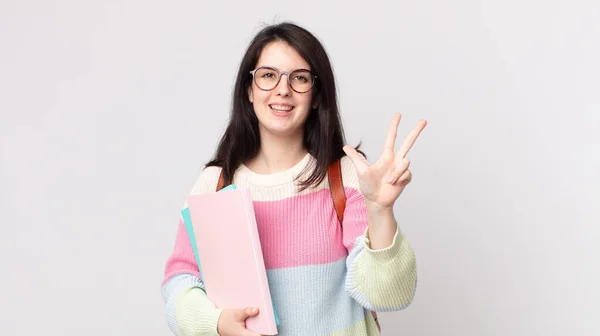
column 380, row 280
column 188, row 310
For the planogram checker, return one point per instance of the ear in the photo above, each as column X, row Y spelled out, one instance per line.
column 250, row 95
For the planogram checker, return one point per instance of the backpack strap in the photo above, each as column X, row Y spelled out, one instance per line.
column 336, row 186
column 221, row 182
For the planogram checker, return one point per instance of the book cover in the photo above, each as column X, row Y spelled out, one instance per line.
column 224, row 237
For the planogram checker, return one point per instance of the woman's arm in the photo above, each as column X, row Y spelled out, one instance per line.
column 188, row 309
column 189, row 312
column 381, row 267
column 381, row 274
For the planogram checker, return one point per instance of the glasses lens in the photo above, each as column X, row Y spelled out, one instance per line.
column 301, row 80
column 266, row 78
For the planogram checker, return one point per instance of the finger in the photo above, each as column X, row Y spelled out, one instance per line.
column 400, row 169
column 405, row 178
column 243, row 314
column 392, row 132
column 357, row 159
column 411, row 138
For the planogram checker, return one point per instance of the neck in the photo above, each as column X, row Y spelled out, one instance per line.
column 277, row 154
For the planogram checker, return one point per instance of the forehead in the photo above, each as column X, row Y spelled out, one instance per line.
column 281, row 56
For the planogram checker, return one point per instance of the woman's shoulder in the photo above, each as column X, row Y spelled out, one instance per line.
column 206, row 181
column 349, row 173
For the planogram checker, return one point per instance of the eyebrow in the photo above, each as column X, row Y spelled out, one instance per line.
column 272, row 67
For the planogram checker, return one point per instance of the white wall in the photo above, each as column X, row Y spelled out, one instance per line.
column 110, row 108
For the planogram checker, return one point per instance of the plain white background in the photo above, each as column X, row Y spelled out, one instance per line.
column 109, row 109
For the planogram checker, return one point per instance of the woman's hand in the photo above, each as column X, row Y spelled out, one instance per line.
column 232, row 322
column 383, row 181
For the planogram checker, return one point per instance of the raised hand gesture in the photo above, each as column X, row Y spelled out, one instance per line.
column 383, row 181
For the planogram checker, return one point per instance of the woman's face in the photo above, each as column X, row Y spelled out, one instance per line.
column 281, row 111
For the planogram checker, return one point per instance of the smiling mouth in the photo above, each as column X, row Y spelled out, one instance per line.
column 281, row 108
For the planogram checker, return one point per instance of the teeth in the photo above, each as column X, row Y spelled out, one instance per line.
column 281, row 108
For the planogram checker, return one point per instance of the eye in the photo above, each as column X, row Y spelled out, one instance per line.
column 264, row 73
column 300, row 78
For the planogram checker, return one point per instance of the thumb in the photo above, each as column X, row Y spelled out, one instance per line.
column 247, row 312
column 355, row 157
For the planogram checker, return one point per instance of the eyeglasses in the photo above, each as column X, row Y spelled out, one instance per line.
column 267, row 78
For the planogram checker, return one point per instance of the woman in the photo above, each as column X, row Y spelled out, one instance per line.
column 283, row 134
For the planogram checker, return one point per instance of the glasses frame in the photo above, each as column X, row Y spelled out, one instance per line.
column 280, row 74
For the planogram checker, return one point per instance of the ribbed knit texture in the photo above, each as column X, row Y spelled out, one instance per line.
column 324, row 278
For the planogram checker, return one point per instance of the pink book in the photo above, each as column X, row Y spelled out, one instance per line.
column 229, row 248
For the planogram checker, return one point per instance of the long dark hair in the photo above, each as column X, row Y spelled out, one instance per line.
column 323, row 132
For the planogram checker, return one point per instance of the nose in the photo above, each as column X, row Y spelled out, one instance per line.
column 283, row 87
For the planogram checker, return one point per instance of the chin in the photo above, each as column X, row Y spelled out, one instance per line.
column 280, row 131
column 276, row 126
column 283, row 132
